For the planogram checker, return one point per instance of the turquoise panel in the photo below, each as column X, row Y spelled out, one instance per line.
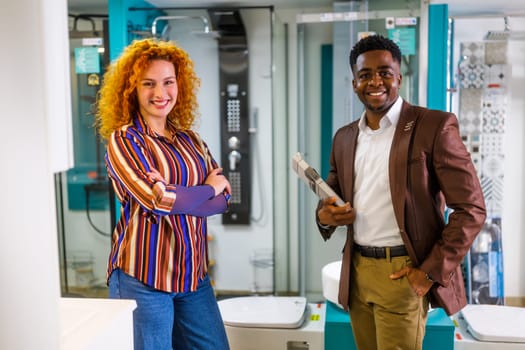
column 86, row 191
column 125, row 17
column 439, row 334
column 337, row 329
column 437, row 56
column 327, row 64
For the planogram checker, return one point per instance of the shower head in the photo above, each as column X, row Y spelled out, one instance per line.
column 214, row 34
column 501, row 35
column 497, row 35
column 165, row 32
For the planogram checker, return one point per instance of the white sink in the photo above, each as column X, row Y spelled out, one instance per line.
column 330, row 278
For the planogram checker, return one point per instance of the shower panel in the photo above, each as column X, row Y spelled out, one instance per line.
column 234, row 112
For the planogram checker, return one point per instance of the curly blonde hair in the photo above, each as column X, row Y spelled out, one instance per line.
column 117, row 101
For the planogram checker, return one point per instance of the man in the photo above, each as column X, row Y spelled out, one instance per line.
column 397, row 167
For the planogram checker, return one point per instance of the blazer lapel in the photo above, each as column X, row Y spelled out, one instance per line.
column 346, row 158
column 348, row 161
column 399, row 159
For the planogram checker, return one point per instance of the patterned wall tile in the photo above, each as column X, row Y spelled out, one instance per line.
column 494, row 110
column 492, row 166
column 470, row 100
column 473, row 144
column 470, row 123
column 473, row 52
column 496, row 52
column 493, row 121
column 476, row 159
column 470, row 105
column 482, row 93
column 492, row 183
column 496, row 75
column 471, row 75
column 492, row 144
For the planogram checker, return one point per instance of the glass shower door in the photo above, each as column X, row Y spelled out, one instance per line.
column 326, row 102
column 84, row 198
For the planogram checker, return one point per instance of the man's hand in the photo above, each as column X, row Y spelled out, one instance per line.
column 416, row 278
column 330, row 214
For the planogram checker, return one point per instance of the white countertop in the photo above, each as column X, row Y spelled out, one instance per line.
column 96, row 324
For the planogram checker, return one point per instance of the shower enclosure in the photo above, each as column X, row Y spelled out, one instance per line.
column 326, row 101
column 84, row 197
column 231, row 50
column 235, row 120
column 485, row 75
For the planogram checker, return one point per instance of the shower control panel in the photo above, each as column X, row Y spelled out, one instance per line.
column 236, row 153
column 235, row 136
column 233, row 115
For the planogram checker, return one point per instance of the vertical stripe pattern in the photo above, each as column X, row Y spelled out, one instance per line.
column 167, row 252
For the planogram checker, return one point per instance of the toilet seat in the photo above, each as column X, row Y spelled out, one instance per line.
column 263, row 311
column 496, row 323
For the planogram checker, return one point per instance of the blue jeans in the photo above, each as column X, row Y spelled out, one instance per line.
column 165, row 321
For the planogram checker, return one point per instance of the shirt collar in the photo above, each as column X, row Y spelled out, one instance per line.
column 143, row 127
column 390, row 118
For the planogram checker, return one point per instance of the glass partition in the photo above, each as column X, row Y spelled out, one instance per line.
column 84, row 198
column 326, row 101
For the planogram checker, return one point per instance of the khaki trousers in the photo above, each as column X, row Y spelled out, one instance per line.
column 385, row 314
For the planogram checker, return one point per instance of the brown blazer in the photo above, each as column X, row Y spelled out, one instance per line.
column 429, row 167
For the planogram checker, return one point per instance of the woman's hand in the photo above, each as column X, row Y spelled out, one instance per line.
column 155, row 176
column 218, row 181
column 215, row 179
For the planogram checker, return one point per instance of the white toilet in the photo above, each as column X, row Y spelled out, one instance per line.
column 478, row 327
column 490, row 327
column 330, row 275
column 276, row 323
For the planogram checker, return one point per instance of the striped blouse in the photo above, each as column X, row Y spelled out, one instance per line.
column 163, row 248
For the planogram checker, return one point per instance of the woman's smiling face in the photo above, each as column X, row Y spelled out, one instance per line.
column 157, row 90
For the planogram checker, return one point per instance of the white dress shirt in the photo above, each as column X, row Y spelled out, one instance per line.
column 375, row 223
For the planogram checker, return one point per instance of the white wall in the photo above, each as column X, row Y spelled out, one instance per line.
column 513, row 224
column 32, row 36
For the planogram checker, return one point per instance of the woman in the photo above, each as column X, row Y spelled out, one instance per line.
column 167, row 183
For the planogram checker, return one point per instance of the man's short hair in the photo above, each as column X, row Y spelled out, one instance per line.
column 374, row 42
